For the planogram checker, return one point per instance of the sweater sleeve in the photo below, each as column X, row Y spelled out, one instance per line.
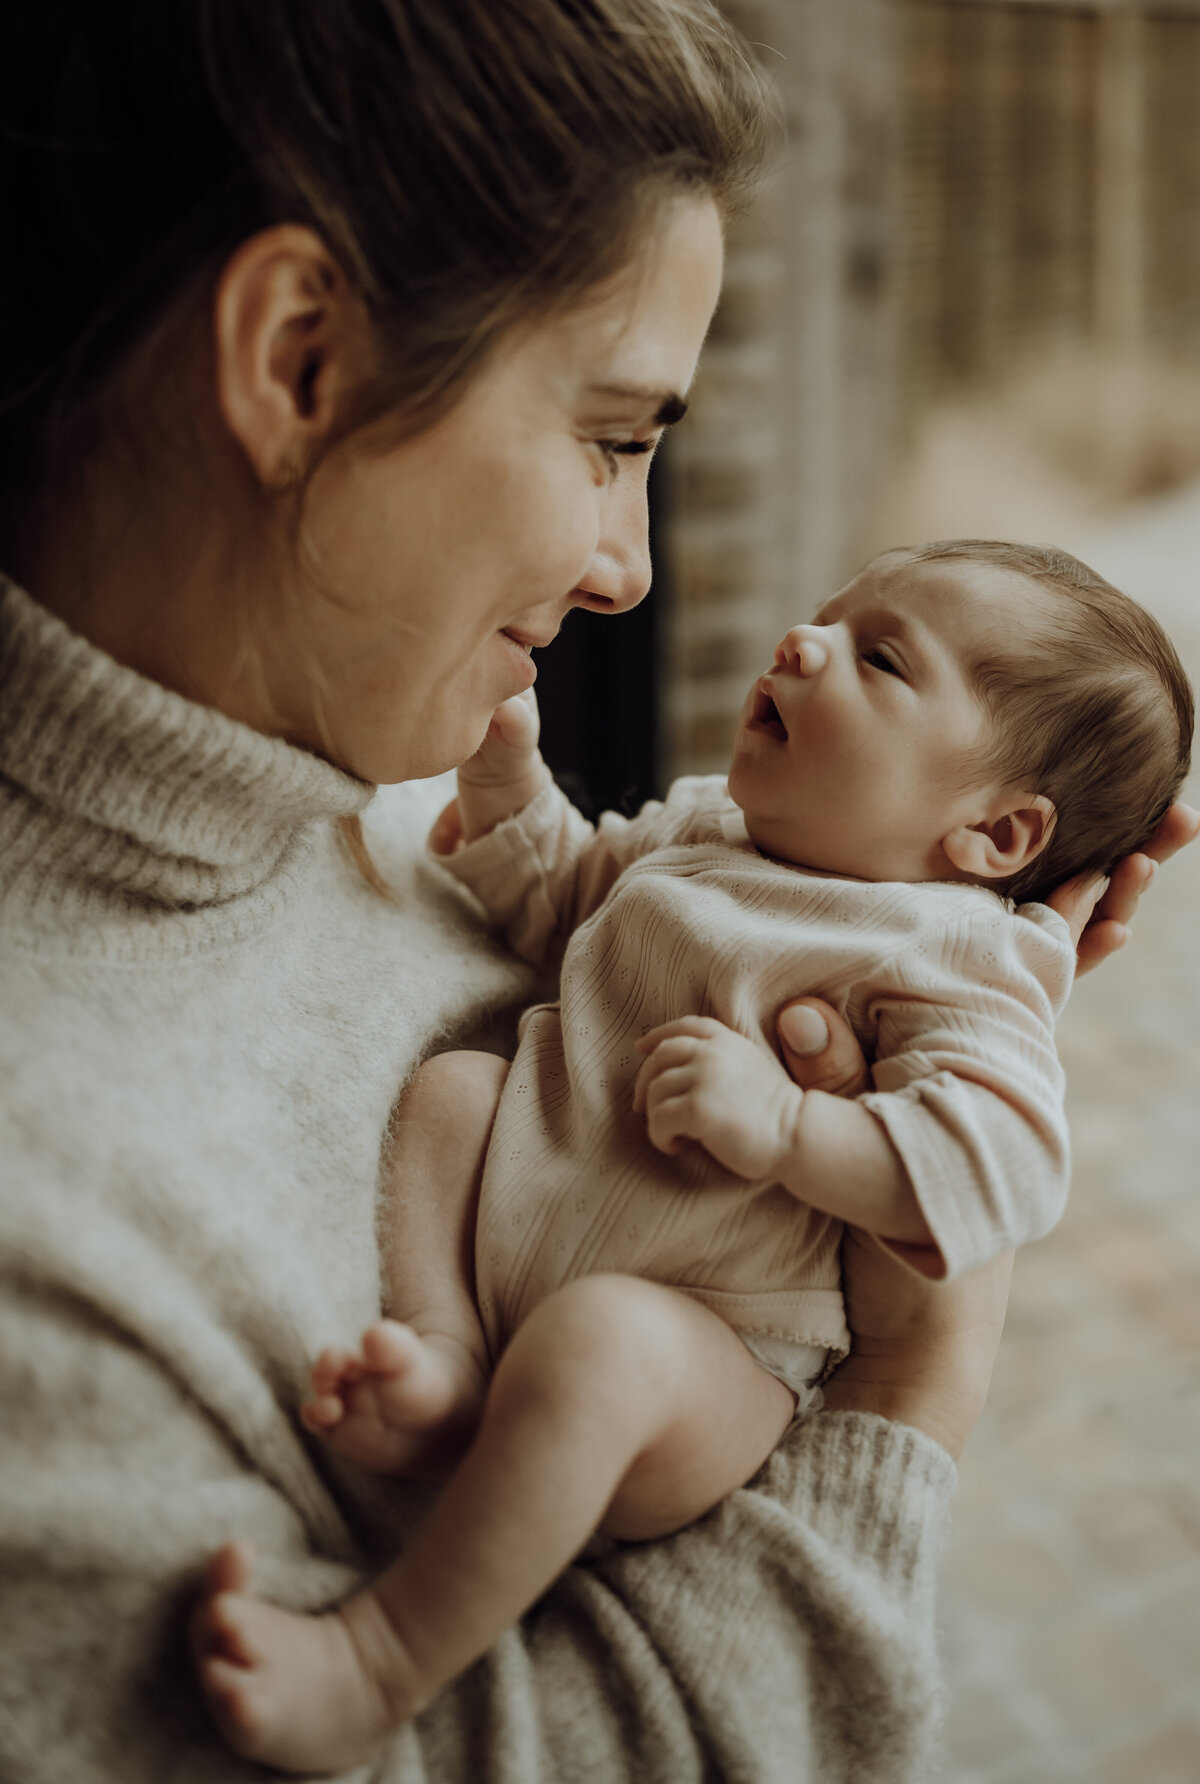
column 968, row 1084
column 542, row 872
column 115, row 1485
column 787, row 1638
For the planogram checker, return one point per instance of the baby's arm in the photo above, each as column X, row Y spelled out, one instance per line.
column 704, row 1082
column 961, row 1147
column 534, row 862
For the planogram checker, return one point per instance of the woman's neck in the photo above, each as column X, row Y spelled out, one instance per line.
column 159, row 585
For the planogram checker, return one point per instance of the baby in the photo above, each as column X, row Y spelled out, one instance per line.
column 637, row 1285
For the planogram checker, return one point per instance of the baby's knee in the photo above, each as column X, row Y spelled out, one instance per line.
column 595, row 1337
column 450, row 1083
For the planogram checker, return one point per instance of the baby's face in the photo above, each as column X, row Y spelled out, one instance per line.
column 853, row 752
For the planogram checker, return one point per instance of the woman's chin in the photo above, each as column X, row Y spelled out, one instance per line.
column 438, row 755
column 419, row 750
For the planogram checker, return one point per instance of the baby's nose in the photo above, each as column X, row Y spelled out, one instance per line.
column 804, row 648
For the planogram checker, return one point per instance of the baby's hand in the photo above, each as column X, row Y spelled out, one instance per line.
column 510, row 748
column 705, row 1082
column 505, row 774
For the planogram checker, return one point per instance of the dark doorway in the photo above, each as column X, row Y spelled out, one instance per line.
column 598, row 693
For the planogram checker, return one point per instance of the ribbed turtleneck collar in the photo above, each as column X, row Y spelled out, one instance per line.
column 116, row 789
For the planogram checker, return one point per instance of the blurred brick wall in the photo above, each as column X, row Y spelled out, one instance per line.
column 966, row 185
column 796, row 382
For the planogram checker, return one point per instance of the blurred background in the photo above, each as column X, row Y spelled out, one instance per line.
column 968, row 302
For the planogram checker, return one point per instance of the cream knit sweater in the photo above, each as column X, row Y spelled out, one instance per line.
column 205, row 1017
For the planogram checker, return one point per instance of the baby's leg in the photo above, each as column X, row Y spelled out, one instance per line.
column 618, row 1404
column 411, row 1395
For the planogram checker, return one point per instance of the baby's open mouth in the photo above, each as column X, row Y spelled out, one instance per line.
column 765, row 716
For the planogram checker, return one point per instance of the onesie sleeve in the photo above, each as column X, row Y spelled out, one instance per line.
column 968, row 1085
column 544, row 871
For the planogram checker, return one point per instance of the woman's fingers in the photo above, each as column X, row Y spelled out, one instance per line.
column 820, row 1049
column 1118, row 901
column 1099, row 942
column 1077, row 901
column 1099, row 913
column 1178, row 826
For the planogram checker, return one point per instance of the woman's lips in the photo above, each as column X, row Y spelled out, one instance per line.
column 519, row 651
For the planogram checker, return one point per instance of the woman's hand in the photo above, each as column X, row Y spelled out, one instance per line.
column 923, row 1352
column 1099, row 915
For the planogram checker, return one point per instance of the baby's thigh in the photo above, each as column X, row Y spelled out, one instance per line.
column 673, row 1383
column 430, row 1188
column 725, row 1416
column 444, row 1119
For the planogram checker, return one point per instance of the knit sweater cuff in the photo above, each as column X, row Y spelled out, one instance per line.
column 868, row 1487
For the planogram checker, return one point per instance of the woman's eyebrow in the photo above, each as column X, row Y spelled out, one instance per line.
column 668, row 406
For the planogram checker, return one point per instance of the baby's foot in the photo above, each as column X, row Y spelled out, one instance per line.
column 402, row 1402
column 305, row 1694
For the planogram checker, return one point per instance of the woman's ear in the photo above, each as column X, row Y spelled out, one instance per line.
column 1006, row 841
column 290, row 342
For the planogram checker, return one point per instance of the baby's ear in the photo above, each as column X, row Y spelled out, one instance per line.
column 1008, row 839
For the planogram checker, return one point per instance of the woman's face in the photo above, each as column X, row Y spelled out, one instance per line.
column 429, row 570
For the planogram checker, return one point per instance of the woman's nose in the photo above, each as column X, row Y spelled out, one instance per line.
column 804, row 649
column 618, row 576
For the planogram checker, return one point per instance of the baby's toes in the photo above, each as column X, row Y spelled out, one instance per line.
column 233, row 1629
column 389, row 1348
column 323, row 1413
column 333, row 1370
column 228, row 1689
column 242, row 1710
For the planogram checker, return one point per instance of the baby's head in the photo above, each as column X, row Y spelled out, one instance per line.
column 970, row 710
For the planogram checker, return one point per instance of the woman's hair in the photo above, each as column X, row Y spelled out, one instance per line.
column 1093, row 710
column 470, row 164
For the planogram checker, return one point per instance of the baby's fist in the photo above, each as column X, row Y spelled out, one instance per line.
column 704, row 1082
column 510, row 745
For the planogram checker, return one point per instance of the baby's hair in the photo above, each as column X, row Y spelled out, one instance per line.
column 1095, row 712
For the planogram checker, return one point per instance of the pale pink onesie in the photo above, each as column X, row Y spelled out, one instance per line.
column 674, row 913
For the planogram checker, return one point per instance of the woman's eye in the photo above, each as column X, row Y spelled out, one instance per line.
column 615, row 449
column 879, row 659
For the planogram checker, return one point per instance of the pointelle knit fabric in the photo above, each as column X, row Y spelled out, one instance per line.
column 950, row 990
column 205, row 1018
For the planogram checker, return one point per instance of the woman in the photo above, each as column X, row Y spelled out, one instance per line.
column 334, row 340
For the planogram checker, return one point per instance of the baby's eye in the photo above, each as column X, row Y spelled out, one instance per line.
column 879, row 659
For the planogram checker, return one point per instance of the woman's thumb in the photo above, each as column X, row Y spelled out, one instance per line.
column 820, row 1049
